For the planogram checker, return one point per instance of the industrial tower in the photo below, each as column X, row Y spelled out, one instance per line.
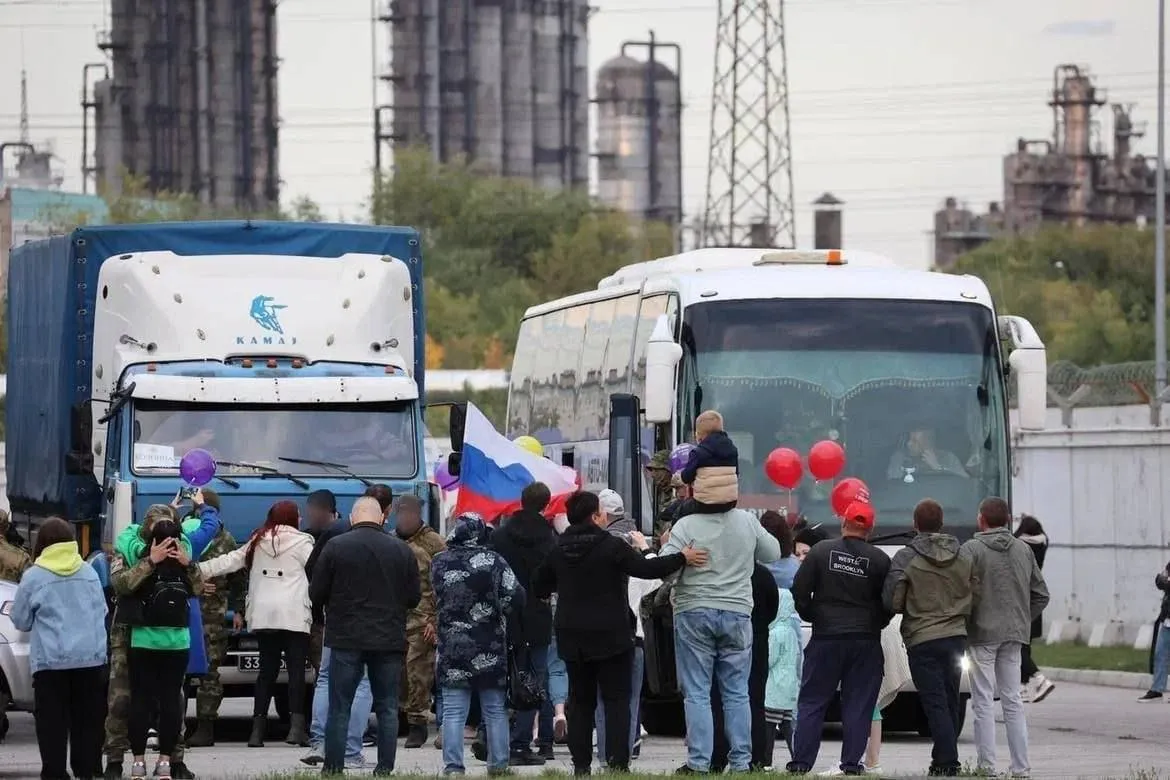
column 749, row 170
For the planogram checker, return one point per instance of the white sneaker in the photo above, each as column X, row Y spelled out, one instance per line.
column 315, row 756
column 836, row 771
column 357, row 762
column 1042, row 687
column 872, row 770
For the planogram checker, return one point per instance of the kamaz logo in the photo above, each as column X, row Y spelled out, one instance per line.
column 264, row 313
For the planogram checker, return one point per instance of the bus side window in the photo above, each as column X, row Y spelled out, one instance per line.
column 567, row 458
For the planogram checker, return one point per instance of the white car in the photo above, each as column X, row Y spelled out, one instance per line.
column 16, row 688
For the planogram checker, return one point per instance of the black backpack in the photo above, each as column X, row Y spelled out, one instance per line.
column 164, row 597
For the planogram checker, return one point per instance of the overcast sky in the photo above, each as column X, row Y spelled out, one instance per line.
column 895, row 103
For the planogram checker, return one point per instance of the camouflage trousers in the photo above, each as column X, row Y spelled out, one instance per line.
column 117, row 743
column 210, row 693
column 419, row 672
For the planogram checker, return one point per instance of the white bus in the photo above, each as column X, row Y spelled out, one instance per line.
column 792, row 347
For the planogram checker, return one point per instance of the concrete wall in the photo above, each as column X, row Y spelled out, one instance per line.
column 1101, row 487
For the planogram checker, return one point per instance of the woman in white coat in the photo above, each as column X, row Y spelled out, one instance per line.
column 278, row 611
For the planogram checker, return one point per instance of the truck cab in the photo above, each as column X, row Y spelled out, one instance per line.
column 292, row 353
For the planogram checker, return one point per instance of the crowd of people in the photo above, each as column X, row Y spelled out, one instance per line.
column 532, row 629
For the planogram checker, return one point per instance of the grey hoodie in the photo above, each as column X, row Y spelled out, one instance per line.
column 1011, row 590
column 932, row 586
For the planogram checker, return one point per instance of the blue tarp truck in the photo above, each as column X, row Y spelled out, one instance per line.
column 293, row 352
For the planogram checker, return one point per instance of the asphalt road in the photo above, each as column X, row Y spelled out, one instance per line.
column 1079, row 731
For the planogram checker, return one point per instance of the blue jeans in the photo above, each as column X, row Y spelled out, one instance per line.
column 635, row 707
column 359, row 714
column 715, row 644
column 1161, row 660
column 346, row 670
column 456, row 704
column 558, row 693
column 524, row 720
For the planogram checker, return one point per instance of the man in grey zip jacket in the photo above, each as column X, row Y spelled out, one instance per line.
column 1011, row 594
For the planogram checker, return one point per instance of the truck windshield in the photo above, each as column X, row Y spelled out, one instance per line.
column 371, row 440
column 912, row 389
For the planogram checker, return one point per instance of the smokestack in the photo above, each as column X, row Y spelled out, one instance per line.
column 827, row 227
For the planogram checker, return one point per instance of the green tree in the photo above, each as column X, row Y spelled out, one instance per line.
column 1088, row 291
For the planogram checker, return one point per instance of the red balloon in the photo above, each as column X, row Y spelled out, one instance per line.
column 826, row 459
column 784, row 468
column 846, row 492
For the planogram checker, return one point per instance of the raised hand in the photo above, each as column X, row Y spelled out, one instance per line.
column 160, row 550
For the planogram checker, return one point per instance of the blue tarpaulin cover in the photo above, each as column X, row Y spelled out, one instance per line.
column 52, row 288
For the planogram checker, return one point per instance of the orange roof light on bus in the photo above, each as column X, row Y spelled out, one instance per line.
column 798, row 257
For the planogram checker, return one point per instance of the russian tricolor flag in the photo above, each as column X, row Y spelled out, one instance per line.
column 493, row 472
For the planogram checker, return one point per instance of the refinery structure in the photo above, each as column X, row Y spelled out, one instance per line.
column 1069, row 178
column 503, row 84
column 639, row 132
column 186, row 102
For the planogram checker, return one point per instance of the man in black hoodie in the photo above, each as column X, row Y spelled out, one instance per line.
column 524, row 540
column 588, row 570
column 838, row 588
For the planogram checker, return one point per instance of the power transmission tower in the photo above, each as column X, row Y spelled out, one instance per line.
column 749, row 170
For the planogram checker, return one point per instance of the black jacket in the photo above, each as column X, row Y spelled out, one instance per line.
column 366, row 580
column 320, row 537
column 1162, row 583
column 838, row 588
column 524, row 541
column 715, row 450
column 589, row 570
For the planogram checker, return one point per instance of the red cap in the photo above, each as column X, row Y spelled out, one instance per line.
column 860, row 513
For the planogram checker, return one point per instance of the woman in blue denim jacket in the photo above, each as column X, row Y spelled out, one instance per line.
column 60, row 602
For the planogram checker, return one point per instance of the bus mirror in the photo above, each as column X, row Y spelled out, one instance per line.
column 662, row 356
column 1029, row 365
column 625, row 453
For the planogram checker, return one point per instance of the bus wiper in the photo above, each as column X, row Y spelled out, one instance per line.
column 266, row 471
column 327, row 465
column 229, row 482
column 891, row 537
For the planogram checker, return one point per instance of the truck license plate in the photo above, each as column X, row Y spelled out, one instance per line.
column 250, row 662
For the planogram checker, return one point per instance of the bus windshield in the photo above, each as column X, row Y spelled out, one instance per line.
column 912, row 390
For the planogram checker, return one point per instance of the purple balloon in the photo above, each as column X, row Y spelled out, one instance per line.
column 443, row 476
column 680, row 457
column 197, row 468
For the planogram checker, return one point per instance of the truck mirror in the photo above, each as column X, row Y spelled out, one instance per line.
column 625, row 452
column 457, row 421
column 662, row 357
column 453, row 462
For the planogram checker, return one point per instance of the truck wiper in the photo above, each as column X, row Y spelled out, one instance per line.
column 327, row 465
column 266, row 471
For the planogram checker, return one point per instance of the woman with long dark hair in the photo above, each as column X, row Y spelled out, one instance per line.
column 278, row 611
column 1036, row 685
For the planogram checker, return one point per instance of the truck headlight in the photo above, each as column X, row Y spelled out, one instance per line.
column 964, row 663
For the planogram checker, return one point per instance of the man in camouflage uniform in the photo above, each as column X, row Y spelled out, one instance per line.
column 13, row 559
column 219, row 595
column 665, row 503
column 124, row 580
column 421, row 622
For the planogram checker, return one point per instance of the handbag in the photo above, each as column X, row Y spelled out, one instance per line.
column 524, row 691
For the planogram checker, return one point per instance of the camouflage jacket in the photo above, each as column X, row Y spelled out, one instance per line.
column 229, row 589
column 125, row 580
column 13, row 561
column 426, row 544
